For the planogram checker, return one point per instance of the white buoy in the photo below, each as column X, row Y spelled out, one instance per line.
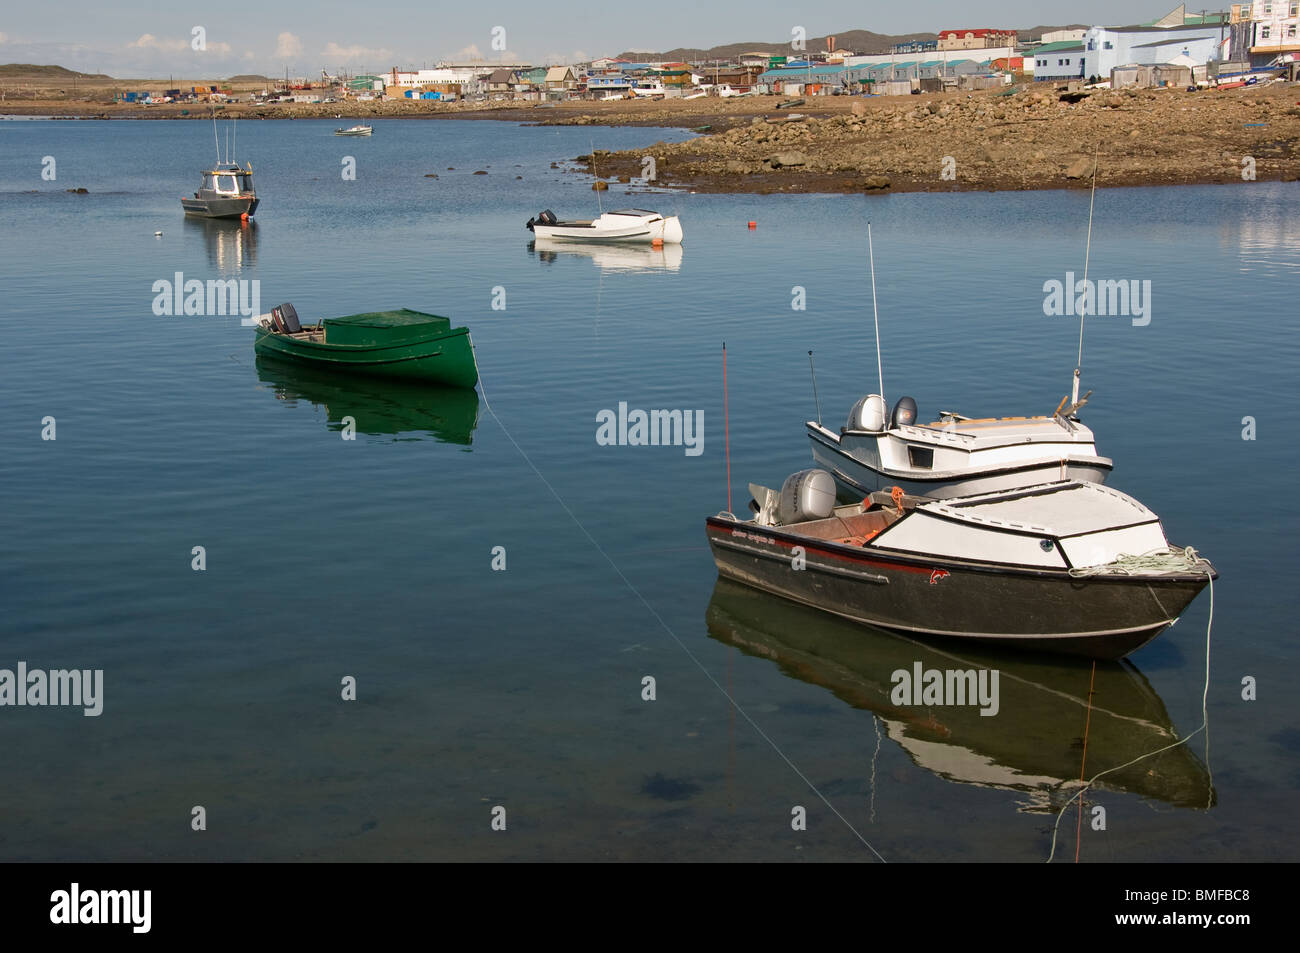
column 157, row 234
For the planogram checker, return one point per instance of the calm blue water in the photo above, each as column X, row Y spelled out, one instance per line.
column 371, row 558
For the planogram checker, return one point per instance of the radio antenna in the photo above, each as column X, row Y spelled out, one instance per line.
column 871, row 255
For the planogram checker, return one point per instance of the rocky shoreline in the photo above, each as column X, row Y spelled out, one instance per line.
column 1031, row 139
column 1028, row 137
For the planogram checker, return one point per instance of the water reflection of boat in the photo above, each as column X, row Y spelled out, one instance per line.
column 1033, row 745
column 611, row 257
column 379, row 406
column 231, row 244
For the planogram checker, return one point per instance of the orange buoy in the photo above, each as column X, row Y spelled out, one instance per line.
column 243, row 217
column 753, row 225
column 657, row 242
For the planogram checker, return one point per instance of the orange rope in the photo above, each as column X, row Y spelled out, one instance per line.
column 726, row 423
column 1078, row 832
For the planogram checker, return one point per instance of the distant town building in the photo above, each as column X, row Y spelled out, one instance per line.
column 980, row 39
column 916, row 46
column 1063, row 36
column 1109, row 46
column 1266, row 30
column 1057, row 62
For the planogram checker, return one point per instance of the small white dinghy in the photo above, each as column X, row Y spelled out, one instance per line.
column 633, row 225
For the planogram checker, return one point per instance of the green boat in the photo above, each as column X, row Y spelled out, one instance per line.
column 401, row 345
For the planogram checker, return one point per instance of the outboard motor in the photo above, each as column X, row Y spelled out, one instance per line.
column 867, row 414
column 546, row 217
column 806, row 495
column 904, row 413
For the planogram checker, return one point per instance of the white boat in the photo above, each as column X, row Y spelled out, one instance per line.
column 634, row 225
column 361, row 130
column 955, row 455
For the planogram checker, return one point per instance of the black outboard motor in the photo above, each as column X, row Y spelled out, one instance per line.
column 904, row 413
column 546, row 217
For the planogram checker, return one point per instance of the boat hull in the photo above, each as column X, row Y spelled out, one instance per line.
column 856, row 478
column 219, row 208
column 1102, row 616
column 445, row 358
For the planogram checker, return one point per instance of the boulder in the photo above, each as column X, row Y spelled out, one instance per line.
column 1079, row 168
column 783, row 160
column 875, row 183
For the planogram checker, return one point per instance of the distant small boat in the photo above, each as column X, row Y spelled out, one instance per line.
column 627, row 225
column 225, row 192
column 361, row 130
column 402, row 344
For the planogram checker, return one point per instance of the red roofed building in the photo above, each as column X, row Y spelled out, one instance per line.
column 976, row 39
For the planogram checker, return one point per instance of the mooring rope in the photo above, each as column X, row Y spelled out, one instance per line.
column 1171, row 559
column 1204, row 726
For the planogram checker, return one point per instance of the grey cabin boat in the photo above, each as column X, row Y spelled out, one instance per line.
column 226, row 192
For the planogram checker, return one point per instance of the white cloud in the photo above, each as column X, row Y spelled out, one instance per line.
column 287, row 46
column 470, row 53
column 148, row 41
column 335, row 53
column 558, row 59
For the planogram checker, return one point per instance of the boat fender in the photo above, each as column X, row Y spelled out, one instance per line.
column 806, row 495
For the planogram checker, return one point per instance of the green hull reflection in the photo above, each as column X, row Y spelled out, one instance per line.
column 378, row 406
column 1033, row 745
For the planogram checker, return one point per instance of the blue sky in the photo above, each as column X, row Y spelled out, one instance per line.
column 129, row 38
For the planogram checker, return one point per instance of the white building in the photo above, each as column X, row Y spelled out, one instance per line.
column 1274, row 29
column 1063, row 36
column 1058, row 62
column 1106, row 47
column 439, row 75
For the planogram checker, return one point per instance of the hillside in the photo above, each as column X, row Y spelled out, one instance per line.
column 31, row 72
column 859, row 41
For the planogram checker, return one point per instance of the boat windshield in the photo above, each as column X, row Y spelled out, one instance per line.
column 226, row 183
column 245, row 182
column 209, row 181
